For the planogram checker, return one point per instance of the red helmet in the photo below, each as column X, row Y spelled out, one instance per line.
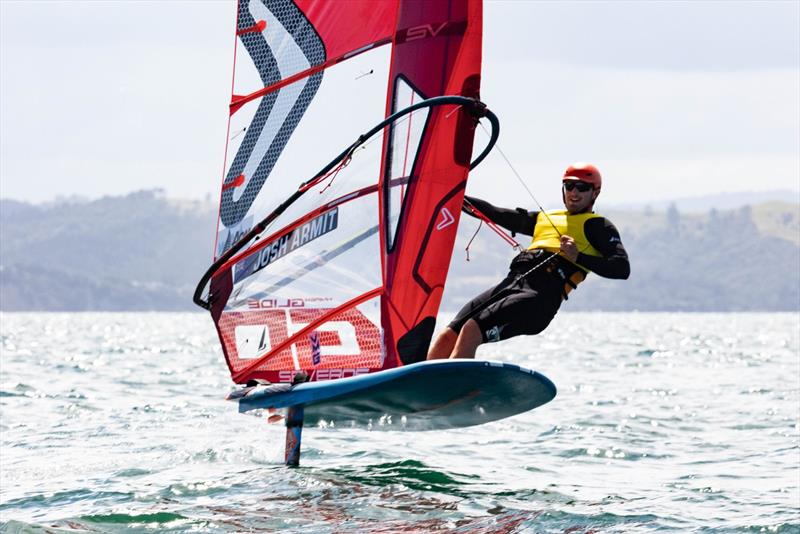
column 584, row 172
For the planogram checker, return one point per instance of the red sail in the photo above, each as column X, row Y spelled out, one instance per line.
column 335, row 264
column 447, row 35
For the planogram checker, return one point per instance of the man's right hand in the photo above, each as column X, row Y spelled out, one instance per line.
column 568, row 248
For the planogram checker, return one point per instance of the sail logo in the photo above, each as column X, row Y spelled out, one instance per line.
column 324, row 374
column 316, row 350
column 447, row 219
column 269, row 304
column 423, row 31
column 286, row 244
column 252, row 340
column 436, row 29
column 273, row 303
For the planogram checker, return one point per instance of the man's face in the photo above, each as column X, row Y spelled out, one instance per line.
column 576, row 200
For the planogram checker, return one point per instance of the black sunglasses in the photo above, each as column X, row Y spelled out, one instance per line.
column 580, row 186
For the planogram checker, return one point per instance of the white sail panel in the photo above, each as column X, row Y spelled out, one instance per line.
column 297, row 263
column 260, row 148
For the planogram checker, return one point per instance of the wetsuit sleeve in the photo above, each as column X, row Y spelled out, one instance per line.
column 515, row 221
column 603, row 236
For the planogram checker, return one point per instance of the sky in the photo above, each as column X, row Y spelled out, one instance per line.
column 669, row 99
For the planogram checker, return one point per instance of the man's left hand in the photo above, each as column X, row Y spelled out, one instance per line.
column 568, row 248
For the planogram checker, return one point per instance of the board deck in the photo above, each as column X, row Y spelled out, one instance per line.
column 429, row 395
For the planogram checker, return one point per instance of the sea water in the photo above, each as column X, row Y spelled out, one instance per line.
column 663, row 423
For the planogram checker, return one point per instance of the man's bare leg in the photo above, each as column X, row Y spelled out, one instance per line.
column 443, row 345
column 468, row 340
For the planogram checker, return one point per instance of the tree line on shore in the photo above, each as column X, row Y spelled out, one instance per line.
column 143, row 251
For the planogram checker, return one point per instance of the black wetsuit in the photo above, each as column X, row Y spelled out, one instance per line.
column 528, row 298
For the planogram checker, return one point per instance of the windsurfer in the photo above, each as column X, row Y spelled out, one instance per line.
column 565, row 246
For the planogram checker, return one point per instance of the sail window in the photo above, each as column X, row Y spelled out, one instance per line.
column 404, row 140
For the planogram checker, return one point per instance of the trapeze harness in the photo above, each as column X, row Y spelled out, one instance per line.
column 547, row 236
column 539, row 278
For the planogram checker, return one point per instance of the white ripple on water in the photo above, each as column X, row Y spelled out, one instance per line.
column 663, row 421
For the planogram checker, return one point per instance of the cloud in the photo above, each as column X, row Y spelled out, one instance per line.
column 109, row 97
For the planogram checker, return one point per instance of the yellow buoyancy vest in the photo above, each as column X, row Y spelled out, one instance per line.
column 550, row 227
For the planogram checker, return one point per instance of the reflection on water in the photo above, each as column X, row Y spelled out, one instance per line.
column 663, row 422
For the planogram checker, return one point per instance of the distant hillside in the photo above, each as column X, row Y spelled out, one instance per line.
column 145, row 252
column 137, row 252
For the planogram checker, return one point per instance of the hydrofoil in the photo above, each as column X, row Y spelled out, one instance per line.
column 430, row 395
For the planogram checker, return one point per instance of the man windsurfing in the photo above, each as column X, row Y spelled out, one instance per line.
column 566, row 245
